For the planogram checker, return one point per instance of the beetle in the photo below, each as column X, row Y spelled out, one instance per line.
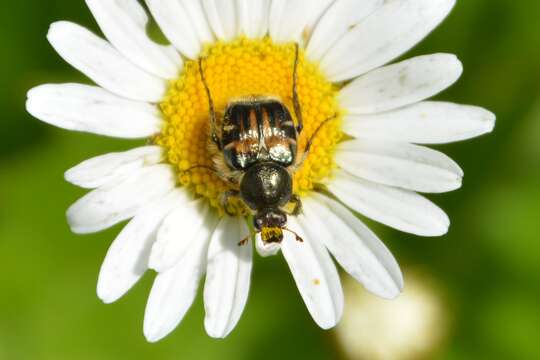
column 256, row 152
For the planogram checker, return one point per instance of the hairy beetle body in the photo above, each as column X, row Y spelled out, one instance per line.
column 255, row 130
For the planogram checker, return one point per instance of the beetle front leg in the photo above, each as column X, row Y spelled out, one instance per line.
column 211, row 107
column 225, row 197
column 297, row 210
column 295, row 97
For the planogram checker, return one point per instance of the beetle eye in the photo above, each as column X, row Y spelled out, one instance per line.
column 258, row 223
column 282, row 220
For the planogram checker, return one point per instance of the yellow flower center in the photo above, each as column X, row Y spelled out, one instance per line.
column 241, row 68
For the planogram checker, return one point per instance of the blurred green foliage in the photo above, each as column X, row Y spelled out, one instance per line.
column 488, row 266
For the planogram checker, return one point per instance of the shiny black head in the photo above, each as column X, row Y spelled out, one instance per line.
column 270, row 225
column 270, row 219
column 266, row 186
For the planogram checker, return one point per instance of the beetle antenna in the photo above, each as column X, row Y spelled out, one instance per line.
column 244, row 241
column 298, row 237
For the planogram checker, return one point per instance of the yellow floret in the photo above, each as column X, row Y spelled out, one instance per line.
column 236, row 69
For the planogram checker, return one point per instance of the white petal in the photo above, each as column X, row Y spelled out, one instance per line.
column 401, row 209
column 190, row 222
column 222, row 16
column 357, row 249
column 94, row 110
column 199, row 20
column 228, row 277
column 424, row 123
column 266, row 250
column 288, row 19
column 402, row 165
column 135, row 11
column 315, row 275
column 173, row 292
column 183, row 24
column 116, row 202
column 401, row 84
column 121, row 23
column 389, row 32
column 98, row 60
column 113, row 167
column 340, row 17
column 127, row 258
column 316, row 9
column 253, row 17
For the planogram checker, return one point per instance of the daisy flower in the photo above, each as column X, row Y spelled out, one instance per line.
column 368, row 158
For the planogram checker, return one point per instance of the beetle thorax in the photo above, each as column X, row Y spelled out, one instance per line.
column 266, row 185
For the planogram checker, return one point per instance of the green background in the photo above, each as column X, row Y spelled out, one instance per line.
column 486, row 270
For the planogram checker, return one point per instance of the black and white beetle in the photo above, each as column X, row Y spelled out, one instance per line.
column 256, row 152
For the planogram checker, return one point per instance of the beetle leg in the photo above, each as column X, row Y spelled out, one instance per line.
column 225, row 197
column 206, row 167
column 213, row 117
column 312, row 138
column 229, row 179
column 296, row 99
column 297, row 210
column 209, row 168
column 307, row 148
